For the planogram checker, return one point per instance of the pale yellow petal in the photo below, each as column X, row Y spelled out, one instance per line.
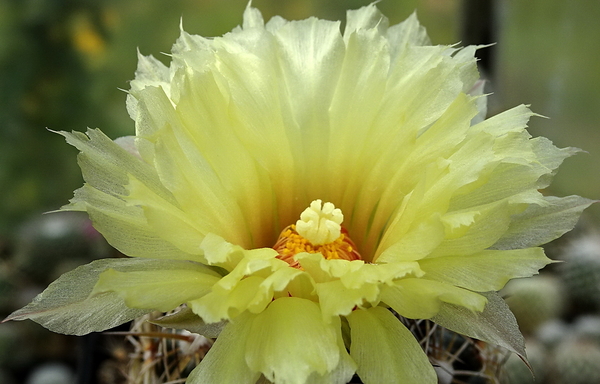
column 160, row 289
column 220, row 304
column 234, row 180
column 250, row 286
column 322, row 270
column 495, row 324
column 422, row 298
column 255, row 278
column 247, row 93
column 124, row 226
column 387, row 352
column 168, row 221
column 444, row 166
column 355, row 105
column 336, row 299
column 550, row 156
column 149, row 72
column 480, row 101
column 416, row 243
column 217, row 251
column 539, row 224
column 485, row 271
column 431, row 197
column 512, row 120
column 407, row 33
column 108, row 167
column 187, row 172
column 485, row 230
column 341, row 285
column 380, row 273
column 289, row 341
column 225, row 362
column 344, row 371
column 367, row 17
column 353, row 274
column 252, row 18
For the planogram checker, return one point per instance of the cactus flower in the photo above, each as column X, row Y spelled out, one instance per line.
column 299, row 188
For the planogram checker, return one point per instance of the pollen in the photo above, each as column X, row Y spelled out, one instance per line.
column 319, row 230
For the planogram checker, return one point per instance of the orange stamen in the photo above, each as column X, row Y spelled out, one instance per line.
column 290, row 243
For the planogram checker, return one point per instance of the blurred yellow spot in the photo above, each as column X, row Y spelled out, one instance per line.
column 86, row 38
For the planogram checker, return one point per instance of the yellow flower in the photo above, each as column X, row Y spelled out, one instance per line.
column 293, row 184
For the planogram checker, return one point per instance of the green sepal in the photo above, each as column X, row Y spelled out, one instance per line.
column 67, row 307
column 495, row 324
column 189, row 321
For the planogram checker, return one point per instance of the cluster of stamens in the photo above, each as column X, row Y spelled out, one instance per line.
column 317, row 224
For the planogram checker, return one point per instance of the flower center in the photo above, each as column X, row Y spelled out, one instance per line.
column 319, row 230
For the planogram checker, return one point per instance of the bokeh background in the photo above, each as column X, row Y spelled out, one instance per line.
column 64, row 65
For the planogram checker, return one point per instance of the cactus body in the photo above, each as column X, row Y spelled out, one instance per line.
column 535, row 300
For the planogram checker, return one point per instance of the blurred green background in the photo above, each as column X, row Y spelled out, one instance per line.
column 63, row 64
column 548, row 57
column 63, row 61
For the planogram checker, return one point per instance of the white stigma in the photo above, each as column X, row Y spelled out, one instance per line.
column 320, row 223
